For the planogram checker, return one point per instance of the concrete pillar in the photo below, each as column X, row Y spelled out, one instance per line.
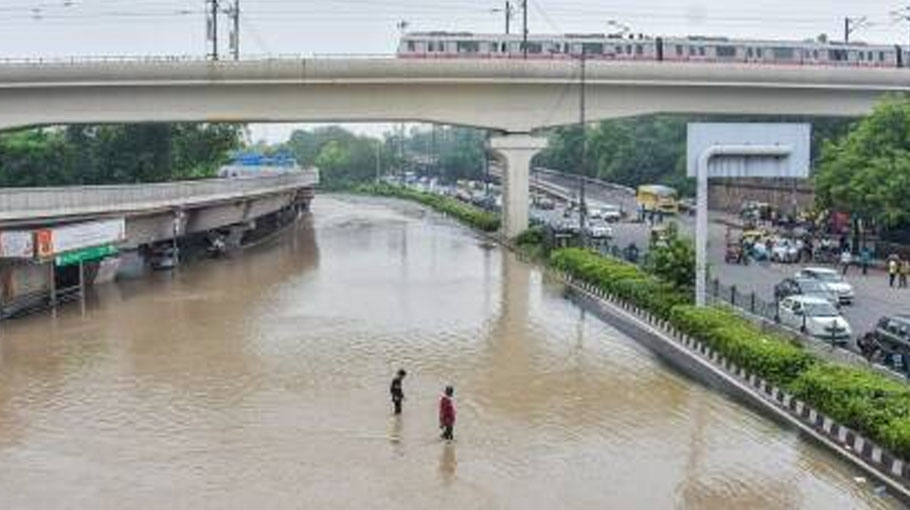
column 516, row 152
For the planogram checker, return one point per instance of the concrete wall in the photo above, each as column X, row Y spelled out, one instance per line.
column 729, row 194
column 30, row 205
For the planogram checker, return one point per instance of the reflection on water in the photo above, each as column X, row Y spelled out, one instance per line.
column 262, row 379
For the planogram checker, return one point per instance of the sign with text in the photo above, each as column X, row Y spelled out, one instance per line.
column 17, row 244
column 85, row 255
column 80, row 235
column 702, row 136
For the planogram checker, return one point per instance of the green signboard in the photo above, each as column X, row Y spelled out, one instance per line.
column 85, row 254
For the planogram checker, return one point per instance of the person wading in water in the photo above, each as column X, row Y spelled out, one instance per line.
column 447, row 413
column 396, row 390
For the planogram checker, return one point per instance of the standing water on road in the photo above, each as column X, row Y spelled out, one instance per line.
column 262, row 381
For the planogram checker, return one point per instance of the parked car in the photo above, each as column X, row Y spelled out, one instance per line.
column 610, row 213
column 804, row 287
column 815, row 316
column 892, row 333
column 599, row 230
column 832, row 279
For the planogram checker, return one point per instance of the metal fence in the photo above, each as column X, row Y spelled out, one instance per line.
column 747, row 301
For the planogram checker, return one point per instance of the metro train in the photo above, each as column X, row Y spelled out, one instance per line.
column 447, row 45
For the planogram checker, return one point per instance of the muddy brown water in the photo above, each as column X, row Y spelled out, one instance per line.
column 261, row 381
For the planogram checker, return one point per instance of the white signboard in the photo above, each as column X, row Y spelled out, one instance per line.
column 85, row 235
column 797, row 137
column 17, row 244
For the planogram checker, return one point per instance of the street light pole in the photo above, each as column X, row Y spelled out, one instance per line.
column 378, row 160
column 524, row 28
column 582, row 171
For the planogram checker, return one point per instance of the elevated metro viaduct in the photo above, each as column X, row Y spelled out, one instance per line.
column 514, row 98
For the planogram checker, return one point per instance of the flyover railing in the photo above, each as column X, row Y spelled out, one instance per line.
column 170, row 59
column 24, row 204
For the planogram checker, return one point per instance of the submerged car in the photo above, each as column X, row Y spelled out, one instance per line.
column 832, row 280
column 815, row 316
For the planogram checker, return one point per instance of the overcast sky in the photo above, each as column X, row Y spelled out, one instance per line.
column 30, row 28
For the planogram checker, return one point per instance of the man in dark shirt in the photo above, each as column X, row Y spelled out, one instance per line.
column 396, row 391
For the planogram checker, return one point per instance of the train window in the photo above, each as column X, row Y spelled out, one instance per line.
column 758, row 52
column 503, row 48
column 749, row 52
column 411, row 47
column 592, row 48
column 691, row 50
column 881, row 56
column 679, row 50
column 837, row 55
column 783, row 53
column 534, row 47
column 701, row 51
column 565, row 47
column 861, row 55
column 639, row 49
column 725, row 51
column 815, row 54
column 869, row 56
column 619, row 50
column 431, row 46
column 629, row 49
column 467, row 46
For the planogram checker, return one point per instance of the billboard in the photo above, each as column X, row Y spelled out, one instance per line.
column 703, row 135
column 53, row 241
column 17, row 244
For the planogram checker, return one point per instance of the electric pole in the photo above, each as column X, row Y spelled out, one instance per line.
column 508, row 15
column 234, row 14
column 582, row 171
column 524, row 28
column 902, row 15
column 211, row 28
column 852, row 25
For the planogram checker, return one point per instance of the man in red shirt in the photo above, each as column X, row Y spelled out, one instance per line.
column 447, row 413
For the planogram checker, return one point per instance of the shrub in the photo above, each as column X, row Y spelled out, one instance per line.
column 871, row 403
column 483, row 220
column 765, row 354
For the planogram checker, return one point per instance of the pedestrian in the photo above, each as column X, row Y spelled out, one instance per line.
column 864, row 258
column 447, row 413
column 904, row 272
column 845, row 259
column 396, row 391
column 892, row 269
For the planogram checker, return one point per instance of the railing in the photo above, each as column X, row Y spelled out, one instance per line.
column 33, row 203
column 170, row 59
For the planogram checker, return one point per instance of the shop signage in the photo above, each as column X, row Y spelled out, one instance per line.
column 17, row 244
column 85, row 255
column 55, row 241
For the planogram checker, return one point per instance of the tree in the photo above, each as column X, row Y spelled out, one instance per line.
column 674, row 260
column 114, row 153
column 867, row 172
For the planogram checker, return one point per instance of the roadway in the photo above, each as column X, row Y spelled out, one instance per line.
column 873, row 296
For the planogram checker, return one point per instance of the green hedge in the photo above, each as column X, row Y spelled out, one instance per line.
column 875, row 405
column 871, row 403
column 477, row 218
column 620, row 278
column 771, row 356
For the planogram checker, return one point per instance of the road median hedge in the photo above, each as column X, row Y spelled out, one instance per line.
column 477, row 218
column 871, row 403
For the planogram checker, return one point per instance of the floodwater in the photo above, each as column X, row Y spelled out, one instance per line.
column 261, row 381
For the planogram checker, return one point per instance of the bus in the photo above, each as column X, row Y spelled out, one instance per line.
column 657, row 198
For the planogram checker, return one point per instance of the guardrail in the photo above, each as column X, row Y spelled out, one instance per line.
column 20, row 204
column 170, row 59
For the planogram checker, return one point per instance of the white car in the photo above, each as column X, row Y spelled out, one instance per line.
column 814, row 316
column 832, row 280
column 785, row 251
column 599, row 230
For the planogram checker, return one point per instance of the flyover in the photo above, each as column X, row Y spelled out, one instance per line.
column 514, row 98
